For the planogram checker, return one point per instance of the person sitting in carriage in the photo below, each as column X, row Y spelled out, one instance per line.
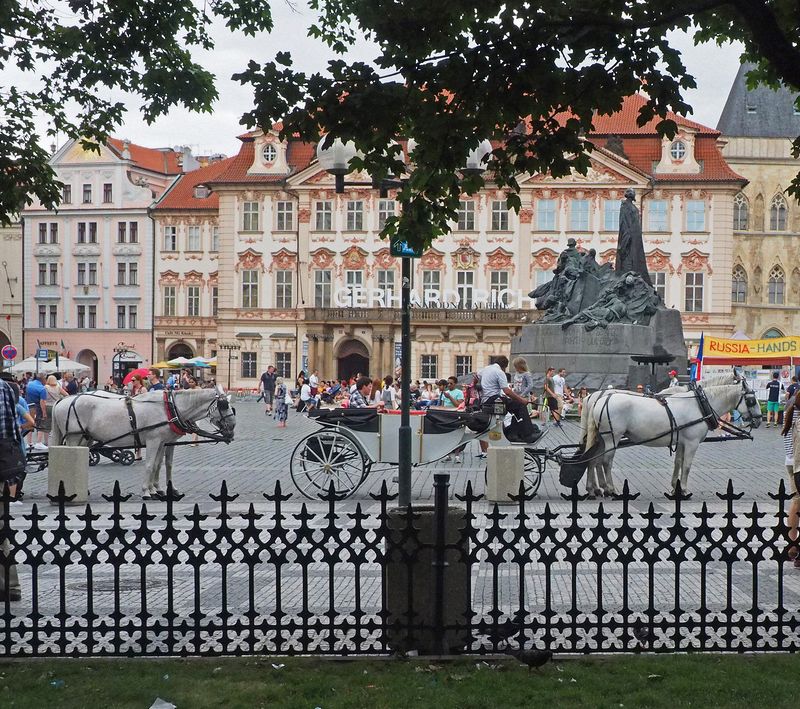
column 495, row 385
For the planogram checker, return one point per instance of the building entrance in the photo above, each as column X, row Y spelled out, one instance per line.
column 353, row 358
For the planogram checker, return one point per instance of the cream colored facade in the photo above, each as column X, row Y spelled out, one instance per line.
column 11, row 287
column 767, row 251
column 288, row 247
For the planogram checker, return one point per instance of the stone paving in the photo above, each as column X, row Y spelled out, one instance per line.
column 259, row 457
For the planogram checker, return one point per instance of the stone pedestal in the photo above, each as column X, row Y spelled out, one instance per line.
column 69, row 464
column 602, row 357
column 505, row 471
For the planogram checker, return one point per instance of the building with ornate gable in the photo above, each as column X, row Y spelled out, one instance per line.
column 11, row 287
column 88, row 266
column 300, row 278
column 759, row 126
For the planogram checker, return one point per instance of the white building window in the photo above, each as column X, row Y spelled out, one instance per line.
column 659, row 281
column 775, row 286
column 739, row 285
column 695, row 215
column 285, row 216
column 132, row 317
column 193, row 238
column 121, row 312
column 465, row 283
column 170, row 300
column 431, row 280
column 546, row 214
column 92, row 233
column 498, row 282
column 92, row 324
column 693, row 302
column 133, row 274
column 81, row 274
column 283, row 289
column 215, row 238
column 466, row 215
column 611, row 214
column 250, row 288
column 323, row 215
column 249, row 365
column 193, row 301
column 54, row 232
column 42, row 316
column 93, row 274
column 579, row 215
column 355, row 215
column 677, row 150
column 122, row 273
column 429, row 366
column 214, row 301
column 386, row 283
column 133, row 232
column 81, row 317
column 249, row 216
column 53, row 313
column 741, row 213
column 354, row 279
column 657, row 215
column 283, row 364
column 122, row 232
column 386, row 209
column 322, row 288
column 87, row 194
column 778, row 212
column 499, row 215
column 53, row 274
column 170, row 238
column 463, row 365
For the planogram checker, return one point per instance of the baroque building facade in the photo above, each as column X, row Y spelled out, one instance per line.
column 260, row 262
column 88, row 266
column 11, row 287
column 759, row 126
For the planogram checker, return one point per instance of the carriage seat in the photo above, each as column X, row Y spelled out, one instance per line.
column 444, row 421
column 365, row 420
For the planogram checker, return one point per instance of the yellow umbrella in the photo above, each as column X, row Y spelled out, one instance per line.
column 161, row 365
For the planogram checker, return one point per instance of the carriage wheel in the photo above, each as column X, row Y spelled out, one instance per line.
column 126, row 457
column 532, row 472
column 94, row 458
column 115, row 454
column 327, row 457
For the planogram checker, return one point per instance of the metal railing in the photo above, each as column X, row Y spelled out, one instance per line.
column 340, row 578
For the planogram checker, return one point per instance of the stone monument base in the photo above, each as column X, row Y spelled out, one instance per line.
column 602, row 357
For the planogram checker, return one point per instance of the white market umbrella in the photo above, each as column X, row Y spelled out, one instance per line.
column 29, row 365
column 68, row 365
column 179, row 361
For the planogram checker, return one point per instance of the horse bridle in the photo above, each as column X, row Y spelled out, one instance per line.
column 226, row 411
column 749, row 398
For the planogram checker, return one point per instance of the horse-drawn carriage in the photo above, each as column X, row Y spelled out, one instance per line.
column 351, row 442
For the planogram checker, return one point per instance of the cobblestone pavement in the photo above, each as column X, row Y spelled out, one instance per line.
column 259, row 456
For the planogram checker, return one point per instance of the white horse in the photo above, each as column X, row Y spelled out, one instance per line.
column 158, row 417
column 678, row 421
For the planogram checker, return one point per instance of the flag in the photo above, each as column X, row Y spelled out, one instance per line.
column 698, row 366
column 63, row 346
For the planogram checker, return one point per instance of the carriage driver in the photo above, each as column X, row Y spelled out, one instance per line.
column 494, row 384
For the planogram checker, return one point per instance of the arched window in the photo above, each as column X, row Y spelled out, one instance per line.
column 739, row 285
column 778, row 213
column 772, row 333
column 741, row 213
column 775, row 286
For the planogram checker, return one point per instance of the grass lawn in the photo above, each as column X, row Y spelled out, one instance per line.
column 651, row 681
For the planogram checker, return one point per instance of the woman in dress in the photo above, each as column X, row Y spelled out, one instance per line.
column 54, row 394
column 522, row 383
column 376, row 392
column 281, row 407
column 137, row 386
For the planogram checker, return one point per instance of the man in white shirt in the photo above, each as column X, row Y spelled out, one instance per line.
column 559, row 386
column 494, row 385
column 305, row 397
column 313, row 382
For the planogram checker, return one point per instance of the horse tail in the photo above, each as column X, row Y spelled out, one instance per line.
column 589, row 428
column 56, row 433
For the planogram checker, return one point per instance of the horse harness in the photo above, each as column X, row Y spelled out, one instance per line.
column 178, row 425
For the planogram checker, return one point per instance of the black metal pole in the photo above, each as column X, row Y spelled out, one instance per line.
column 404, row 439
column 440, row 485
column 229, row 369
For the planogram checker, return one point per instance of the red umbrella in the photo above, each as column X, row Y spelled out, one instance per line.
column 142, row 372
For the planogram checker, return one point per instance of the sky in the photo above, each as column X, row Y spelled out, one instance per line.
column 713, row 67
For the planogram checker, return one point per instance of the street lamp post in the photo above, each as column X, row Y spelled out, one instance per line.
column 230, row 347
column 336, row 160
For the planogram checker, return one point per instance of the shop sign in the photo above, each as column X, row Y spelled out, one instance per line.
column 357, row 297
column 751, row 350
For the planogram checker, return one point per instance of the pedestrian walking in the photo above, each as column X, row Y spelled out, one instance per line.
column 774, row 389
column 550, row 395
column 791, row 434
column 12, row 467
column 282, row 402
column 36, row 396
column 267, row 388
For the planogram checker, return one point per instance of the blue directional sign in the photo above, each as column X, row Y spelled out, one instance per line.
column 42, row 354
column 403, row 249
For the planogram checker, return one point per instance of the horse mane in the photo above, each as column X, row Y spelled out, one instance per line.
column 714, row 381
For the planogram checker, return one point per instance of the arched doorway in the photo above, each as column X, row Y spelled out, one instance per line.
column 180, row 349
column 88, row 358
column 353, row 357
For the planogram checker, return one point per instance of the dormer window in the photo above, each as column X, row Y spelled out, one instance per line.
column 678, row 150
column 201, row 192
column 269, row 153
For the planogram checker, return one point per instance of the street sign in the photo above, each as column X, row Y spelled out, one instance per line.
column 403, row 249
column 9, row 352
column 42, row 354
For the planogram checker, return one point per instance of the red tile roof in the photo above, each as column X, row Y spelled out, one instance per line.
column 623, row 122
column 163, row 161
column 299, row 156
column 181, row 194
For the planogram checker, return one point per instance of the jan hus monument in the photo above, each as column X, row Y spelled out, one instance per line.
column 607, row 325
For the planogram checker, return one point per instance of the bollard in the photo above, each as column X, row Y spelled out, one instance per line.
column 70, row 465
column 426, row 577
column 506, row 466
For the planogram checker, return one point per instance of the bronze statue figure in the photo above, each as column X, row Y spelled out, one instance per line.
column 630, row 247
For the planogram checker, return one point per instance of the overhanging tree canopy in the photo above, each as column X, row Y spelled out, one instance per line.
column 528, row 74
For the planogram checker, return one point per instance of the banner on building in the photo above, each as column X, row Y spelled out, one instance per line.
column 768, row 352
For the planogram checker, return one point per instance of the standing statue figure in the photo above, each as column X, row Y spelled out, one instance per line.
column 630, row 248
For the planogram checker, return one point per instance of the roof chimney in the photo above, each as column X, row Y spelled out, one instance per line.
column 126, row 152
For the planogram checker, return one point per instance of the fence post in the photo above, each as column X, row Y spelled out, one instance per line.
column 440, row 486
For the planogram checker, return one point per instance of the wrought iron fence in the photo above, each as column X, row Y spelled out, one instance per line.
column 347, row 578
